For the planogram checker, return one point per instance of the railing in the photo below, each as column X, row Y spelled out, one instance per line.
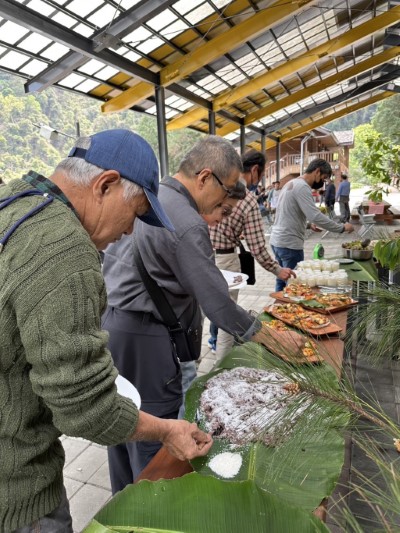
column 290, row 164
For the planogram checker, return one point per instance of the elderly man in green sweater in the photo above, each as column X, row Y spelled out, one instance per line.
column 56, row 374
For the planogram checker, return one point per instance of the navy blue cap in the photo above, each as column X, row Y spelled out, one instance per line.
column 134, row 159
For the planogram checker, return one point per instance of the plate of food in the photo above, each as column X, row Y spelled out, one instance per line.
column 324, row 302
column 308, row 351
column 235, row 280
column 304, row 319
column 298, row 291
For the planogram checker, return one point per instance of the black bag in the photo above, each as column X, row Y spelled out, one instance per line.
column 186, row 342
column 247, row 265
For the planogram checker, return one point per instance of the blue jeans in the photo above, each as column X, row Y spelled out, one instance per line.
column 287, row 258
column 213, row 332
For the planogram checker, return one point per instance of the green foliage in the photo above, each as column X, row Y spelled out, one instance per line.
column 23, row 148
column 200, row 504
column 360, row 152
column 381, row 163
column 387, row 252
column 353, row 120
column 387, row 118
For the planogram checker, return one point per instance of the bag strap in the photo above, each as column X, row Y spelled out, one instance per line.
column 156, row 293
column 242, row 248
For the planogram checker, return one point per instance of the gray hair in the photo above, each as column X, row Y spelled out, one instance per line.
column 82, row 173
column 214, row 152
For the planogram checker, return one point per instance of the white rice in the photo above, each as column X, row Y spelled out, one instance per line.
column 226, row 464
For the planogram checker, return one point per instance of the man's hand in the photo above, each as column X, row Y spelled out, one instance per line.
column 348, row 227
column 186, row 441
column 315, row 228
column 182, row 439
column 286, row 273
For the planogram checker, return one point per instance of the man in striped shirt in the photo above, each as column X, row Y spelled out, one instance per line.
column 245, row 221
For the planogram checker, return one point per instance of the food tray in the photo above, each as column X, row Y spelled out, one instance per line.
column 322, row 310
column 330, row 329
column 298, row 359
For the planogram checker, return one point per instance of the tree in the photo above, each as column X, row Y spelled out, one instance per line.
column 381, row 164
column 387, row 118
column 361, row 151
column 351, row 121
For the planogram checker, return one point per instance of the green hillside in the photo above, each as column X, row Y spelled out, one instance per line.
column 23, row 148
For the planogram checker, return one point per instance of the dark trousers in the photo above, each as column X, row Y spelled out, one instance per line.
column 58, row 521
column 344, row 209
column 287, row 258
column 142, row 352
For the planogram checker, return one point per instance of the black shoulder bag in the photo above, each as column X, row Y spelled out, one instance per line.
column 185, row 342
column 247, row 265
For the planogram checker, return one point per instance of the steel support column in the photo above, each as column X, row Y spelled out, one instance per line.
column 162, row 130
column 278, row 160
column 211, row 122
column 263, row 151
column 242, row 139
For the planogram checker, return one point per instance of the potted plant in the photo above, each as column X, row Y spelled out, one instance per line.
column 387, row 253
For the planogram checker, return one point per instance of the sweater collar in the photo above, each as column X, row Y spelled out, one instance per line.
column 45, row 185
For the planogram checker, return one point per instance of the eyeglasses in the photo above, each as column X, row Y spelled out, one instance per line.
column 229, row 192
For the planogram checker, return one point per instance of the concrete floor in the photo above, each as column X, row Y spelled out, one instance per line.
column 86, row 469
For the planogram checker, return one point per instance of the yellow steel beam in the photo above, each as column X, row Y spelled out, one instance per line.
column 250, row 28
column 363, row 66
column 227, row 41
column 328, row 118
column 308, row 57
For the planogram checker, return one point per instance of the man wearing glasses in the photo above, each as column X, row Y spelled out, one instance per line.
column 245, row 222
column 182, row 264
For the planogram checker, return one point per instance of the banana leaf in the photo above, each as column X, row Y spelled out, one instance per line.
column 303, row 479
column 361, row 270
column 200, row 504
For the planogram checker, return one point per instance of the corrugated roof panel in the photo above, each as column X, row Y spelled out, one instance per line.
column 104, row 15
column 84, row 8
column 41, row 7
column 34, row 43
column 72, row 80
column 165, row 18
column 12, row 60
column 200, row 13
column 87, row 86
column 34, row 67
column 10, row 32
column 64, row 20
column 55, row 51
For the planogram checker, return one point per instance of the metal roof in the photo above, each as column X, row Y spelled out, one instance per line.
column 270, row 68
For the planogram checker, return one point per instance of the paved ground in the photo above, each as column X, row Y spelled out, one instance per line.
column 86, row 470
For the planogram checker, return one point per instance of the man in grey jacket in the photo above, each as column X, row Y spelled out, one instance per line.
column 296, row 206
column 182, row 264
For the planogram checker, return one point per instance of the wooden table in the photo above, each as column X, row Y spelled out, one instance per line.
column 331, row 348
column 376, row 208
column 165, row 466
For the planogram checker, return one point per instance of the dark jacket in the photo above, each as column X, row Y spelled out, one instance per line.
column 330, row 193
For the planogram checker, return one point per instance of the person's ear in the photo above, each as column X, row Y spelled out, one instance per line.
column 202, row 177
column 105, row 183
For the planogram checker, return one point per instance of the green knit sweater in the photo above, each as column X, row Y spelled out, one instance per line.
column 56, row 374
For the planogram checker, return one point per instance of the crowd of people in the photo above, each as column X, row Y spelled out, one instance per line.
column 70, row 322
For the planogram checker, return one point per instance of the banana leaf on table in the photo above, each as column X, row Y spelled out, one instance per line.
column 302, row 477
column 200, row 504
